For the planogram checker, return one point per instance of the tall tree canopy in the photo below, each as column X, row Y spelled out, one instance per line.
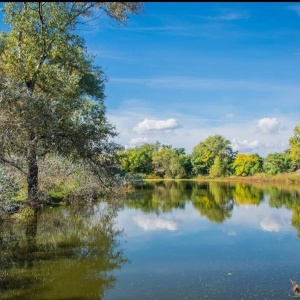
column 51, row 94
column 214, row 150
column 169, row 162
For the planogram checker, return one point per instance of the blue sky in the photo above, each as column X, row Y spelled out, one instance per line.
column 180, row 72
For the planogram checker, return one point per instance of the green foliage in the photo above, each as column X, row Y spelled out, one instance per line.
column 169, row 163
column 64, row 180
column 21, row 195
column 134, row 179
column 8, row 188
column 51, row 94
column 205, row 153
column 138, row 159
column 157, row 160
column 295, row 147
column 221, row 167
column 59, row 192
column 247, row 164
column 276, row 163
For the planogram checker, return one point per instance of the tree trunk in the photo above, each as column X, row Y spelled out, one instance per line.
column 33, row 170
column 32, row 177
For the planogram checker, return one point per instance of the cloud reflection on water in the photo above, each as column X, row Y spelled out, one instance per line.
column 151, row 223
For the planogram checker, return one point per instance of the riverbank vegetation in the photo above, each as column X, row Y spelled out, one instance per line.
column 212, row 159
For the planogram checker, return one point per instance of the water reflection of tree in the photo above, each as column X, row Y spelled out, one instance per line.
column 245, row 194
column 160, row 197
column 60, row 254
column 213, row 200
column 289, row 199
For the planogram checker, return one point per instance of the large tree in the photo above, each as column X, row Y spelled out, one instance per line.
column 169, row 162
column 214, row 150
column 51, row 94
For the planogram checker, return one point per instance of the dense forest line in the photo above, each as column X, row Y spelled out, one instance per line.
column 213, row 158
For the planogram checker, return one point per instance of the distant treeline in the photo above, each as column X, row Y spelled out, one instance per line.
column 213, row 157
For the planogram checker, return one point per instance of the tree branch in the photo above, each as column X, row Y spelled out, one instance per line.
column 13, row 164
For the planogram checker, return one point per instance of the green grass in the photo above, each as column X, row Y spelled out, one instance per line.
column 287, row 178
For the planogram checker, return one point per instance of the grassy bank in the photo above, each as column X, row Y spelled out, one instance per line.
column 286, row 178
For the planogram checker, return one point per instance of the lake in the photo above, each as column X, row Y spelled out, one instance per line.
column 170, row 240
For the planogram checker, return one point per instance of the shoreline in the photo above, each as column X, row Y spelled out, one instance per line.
column 286, row 178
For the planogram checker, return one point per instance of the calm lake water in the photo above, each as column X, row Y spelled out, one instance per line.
column 171, row 240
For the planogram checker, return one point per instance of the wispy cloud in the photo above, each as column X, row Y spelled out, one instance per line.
column 295, row 8
column 211, row 28
column 229, row 116
column 163, row 28
column 179, row 82
column 230, row 16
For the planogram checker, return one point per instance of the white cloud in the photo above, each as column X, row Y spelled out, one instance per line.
column 268, row 125
column 154, row 223
column 149, row 125
column 241, row 130
column 245, row 146
column 138, row 141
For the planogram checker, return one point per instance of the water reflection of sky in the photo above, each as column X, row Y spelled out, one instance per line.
column 180, row 254
column 263, row 217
